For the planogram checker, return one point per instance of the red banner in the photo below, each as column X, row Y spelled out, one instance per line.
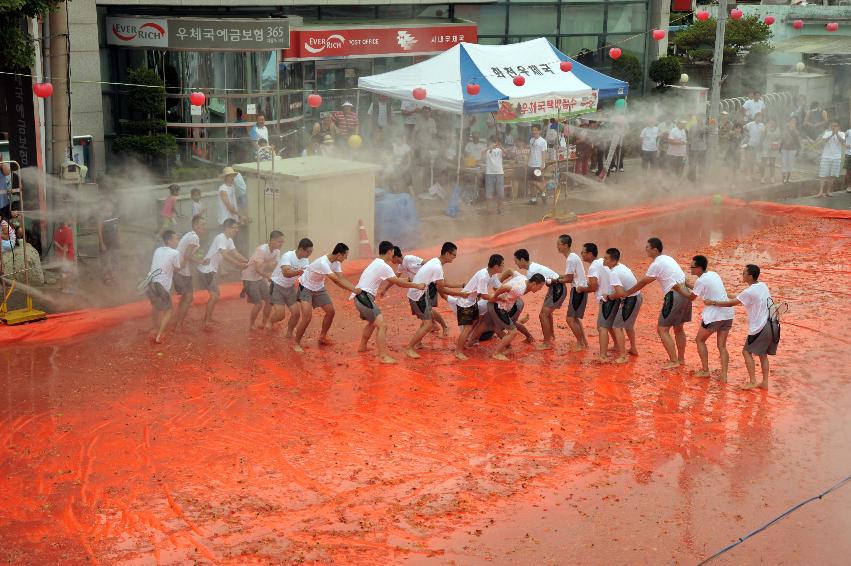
column 398, row 40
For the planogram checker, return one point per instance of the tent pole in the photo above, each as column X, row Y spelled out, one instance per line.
column 460, row 143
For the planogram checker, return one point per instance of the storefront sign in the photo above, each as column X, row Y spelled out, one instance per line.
column 191, row 34
column 535, row 109
column 365, row 42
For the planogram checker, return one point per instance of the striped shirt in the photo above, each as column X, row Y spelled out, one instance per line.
column 347, row 122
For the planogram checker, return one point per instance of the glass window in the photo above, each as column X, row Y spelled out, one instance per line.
column 572, row 45
column 582, row 19
column 434, row 11
column 395, row 11
column 346, row 12
column 491, row 19
column 626, row 18
column 532, row 20
column 490, row 41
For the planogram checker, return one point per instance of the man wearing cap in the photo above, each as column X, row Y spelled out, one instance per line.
column 346, row 121
column 227, row 196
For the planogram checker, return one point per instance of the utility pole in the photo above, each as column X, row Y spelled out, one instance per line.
column 717, row 71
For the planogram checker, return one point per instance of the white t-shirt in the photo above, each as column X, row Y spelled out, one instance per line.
column 677, row 150
column 431, row 271
column 216, row 252
column 372, row 277
column 165, row 259
column 517, row 286
column 230, row 192
column 573, row 266
column 623, row 276
column 409, row 266
column 197, row 208
column 542, row 269
column 667, row 272
column 650, row 138
column 602, row 273
column 189, row 239
column 755, row 300
column 314, row 278
column 262, row 255
column 291, row 260
column 537, row 147
column 709, row 286
column 753, row 107
column 453, row 304
column 493, row 161
column 259, row 133
column 756, row 133
column 833, row 146
column 478, row 283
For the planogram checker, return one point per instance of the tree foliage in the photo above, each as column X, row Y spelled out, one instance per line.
column 698, row 39
column 145, row 135
column 628, row 68
column 18, row 46
column 665, row 70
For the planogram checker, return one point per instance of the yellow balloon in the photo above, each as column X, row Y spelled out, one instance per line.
column 355, row 141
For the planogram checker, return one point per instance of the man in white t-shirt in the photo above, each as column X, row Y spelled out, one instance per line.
column 467, row 308
column 494, row 175
column 713, row 319
column 431, row 274
column 312, row 293
column 228, row 207
column 599, row 283
column 754, row 140
column 754, row 105
column 676, row 308
column 501, row 303
column 188, row 247
column 831, row 158
column 574, row 274
column 763, row 324
column 284, row 293
column 407, row 267
column 221, row 249
column 378, row 275
column 257, row 279
column 556, row 293
column 165, row 262
column 620, row 278
column 649, row 145
column 677, row 147
column 537, row 161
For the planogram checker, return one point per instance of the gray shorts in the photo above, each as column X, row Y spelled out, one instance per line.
column 499, row 319
column 182, row 284
column 607, row 313
column 556, row 294
column 467, row 316
column 159, row 297
column 366, row 306
column 315, row 298
column 421, row 308
column 281, row 295
column 494, row 186
column 209, row 281
column 764, row 343
column 628, row 312
column 576, row 305
column 433, row 294
column 717, row 326
column 256, row 292
column 676, row 310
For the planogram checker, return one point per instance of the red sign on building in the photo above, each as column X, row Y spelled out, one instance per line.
column 309, row 43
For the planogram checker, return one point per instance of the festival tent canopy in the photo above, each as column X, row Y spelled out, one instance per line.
column 493, row 67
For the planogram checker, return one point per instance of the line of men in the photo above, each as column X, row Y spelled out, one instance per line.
column 489, row 304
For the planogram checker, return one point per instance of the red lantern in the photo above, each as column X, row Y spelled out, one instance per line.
column 473, row 89
column 197, row 99
column 314, row 101
column 566, row 66
column 769, row 20
column 419, row 93
column 519, row 80
column 615, row 53
column 703, row 15
column 736, row 14
column 832, row 26
column 43, row 90
column 798, row 24
column 659, row 34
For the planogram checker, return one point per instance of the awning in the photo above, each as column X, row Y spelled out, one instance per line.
column 820, row 44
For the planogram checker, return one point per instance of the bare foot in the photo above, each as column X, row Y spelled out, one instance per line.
column 298, row 349
column 580, row 347
column 763, row 385
column 633, row 352
column 544, row 346
column 749, row 385
column 325, row 341
column 412, row 354
column 501, row 357
column 722, row 377
column 604, row 360
column 363, row 348
column 700, row 373
column 670, row 365
column 159, row 339
column 622, row 360
column 385, row 359
column 461, row 356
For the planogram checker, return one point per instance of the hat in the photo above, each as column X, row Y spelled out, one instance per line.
column 327, row 139
column 347, row 103
column 227, row 171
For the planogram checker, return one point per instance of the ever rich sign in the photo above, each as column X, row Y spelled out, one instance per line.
column 192, row 34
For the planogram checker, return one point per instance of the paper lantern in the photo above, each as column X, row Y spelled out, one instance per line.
column 314, row 101
column 355, row 141
column 684, row 78
column 197, row 99
column 703, row 15
column 473, row 89
column 659, row 34
column 736, row 14
column 419, row 93
column 519, row 80
column 42, row 90
column 566, row 66
column 832, row 26
column 769, row 20
column 615, row 53
column 798, row 24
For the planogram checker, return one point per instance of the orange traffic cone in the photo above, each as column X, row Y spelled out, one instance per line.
column 365, row 246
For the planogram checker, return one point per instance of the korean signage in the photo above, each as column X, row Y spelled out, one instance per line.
column 535, row 109
column 310, row 43
column 191, row 34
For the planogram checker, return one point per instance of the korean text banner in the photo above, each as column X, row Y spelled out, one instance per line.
column 191, row 34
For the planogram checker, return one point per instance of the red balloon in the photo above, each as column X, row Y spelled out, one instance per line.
column 473, row 89
column 832, row 26
column 519, row 80
column 615, row 53
column 736, row 14
column 314, row 101
column 659, row 34
column 769, row 20
column 197, row 99
column 419, row 93
column 798, row 24
column 566, row 66
column 43, row 90
column 703, row 15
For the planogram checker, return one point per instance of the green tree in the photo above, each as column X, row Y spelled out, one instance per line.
column 698, row 40
column 665, row 70
column 18, row 46
column 628, row 68
column 145, row 134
